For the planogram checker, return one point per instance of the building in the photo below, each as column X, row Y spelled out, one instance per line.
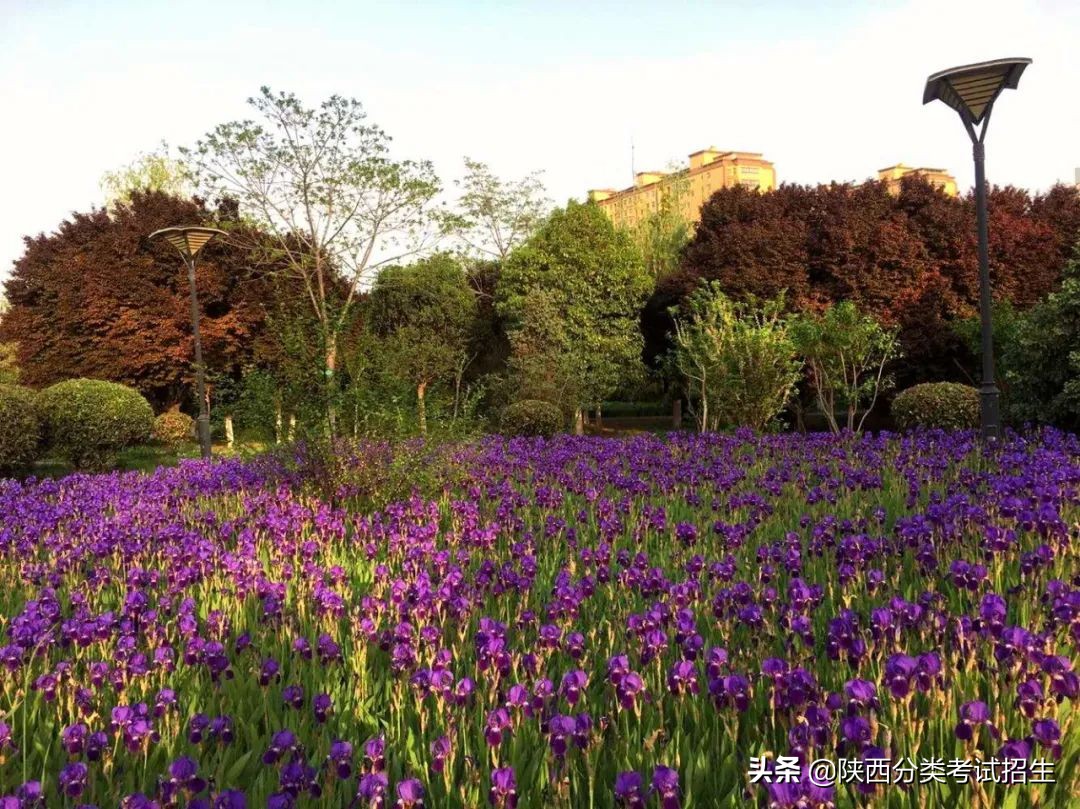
column 937, row 177
column 1077, row 176
column 709, row 170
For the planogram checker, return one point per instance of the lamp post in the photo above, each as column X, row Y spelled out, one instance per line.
column 971, row 90
column 189, row 240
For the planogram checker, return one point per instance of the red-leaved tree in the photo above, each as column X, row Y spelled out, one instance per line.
column 98, row 299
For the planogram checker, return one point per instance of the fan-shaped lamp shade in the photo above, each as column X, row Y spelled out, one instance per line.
column 972, row 89
column 189, row 239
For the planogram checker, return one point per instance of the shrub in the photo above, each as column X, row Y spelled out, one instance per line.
column 737, row 358
column 948, row 405
column 20, row 428
column 532, row 417
column 174, row 428
column 87, row 420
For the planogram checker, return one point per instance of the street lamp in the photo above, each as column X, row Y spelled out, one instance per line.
column 971, row 90
column 189, row 240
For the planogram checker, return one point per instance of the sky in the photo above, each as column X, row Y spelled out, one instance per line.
column 826, row 90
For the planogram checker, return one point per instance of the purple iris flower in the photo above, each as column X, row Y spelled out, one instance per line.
column 503, row 792
column 230, row 799
column 440, row 750
column 665, row 783
column 293, row 696
column 73, row 779
column 322, row 705
column 630, row 790
column 410, row 794
column 374, row 754
column 372, row 790
column 973, row 714
column 1047, row 732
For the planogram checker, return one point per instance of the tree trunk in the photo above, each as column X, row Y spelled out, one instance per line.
column 579, row 421
column 676, row 414
column 331, row 366
column 599, row 422
column 421, row 407
column 292, row 426
column 229, row 437
column 278, row 419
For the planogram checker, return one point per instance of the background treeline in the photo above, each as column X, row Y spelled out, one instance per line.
column 355, row 294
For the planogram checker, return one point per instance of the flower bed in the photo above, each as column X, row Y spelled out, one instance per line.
column 573, row 622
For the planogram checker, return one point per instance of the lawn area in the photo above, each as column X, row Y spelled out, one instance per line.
column 577, row 622
column 145, row 458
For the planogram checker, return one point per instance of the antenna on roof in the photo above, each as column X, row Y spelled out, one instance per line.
column 633, row 171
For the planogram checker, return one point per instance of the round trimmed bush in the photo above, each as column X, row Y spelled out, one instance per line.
column 87, row 420
column 20, row 428
column 174, row 429
column 532, row 417
column 948, row 405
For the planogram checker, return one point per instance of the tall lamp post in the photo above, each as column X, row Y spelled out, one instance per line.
column 971, row 90
column 189, row 240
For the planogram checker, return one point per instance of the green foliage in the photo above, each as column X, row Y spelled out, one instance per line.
column 1006, row 323
column 1040, row 358
column 20, row 428
column 420, row 318
column 152, row 171
column 664, row 233
column 635, row 409
column 497, row 215
column 947, row 405
column 738, row 360
column 531, row 417
column 173, row 428
column 846, row 355
column 88, row 420
column 322, row 184
column 256, row 405
column 571, row 299
column 9, row 369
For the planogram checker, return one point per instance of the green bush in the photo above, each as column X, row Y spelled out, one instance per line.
column 174, row 428
column 88, row 420
column 20, row 428
column 531, row 417
column 948, row 405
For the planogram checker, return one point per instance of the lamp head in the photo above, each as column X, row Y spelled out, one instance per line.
column 971, row 90
column 188, row 239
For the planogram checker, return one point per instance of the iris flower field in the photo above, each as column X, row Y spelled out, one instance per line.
column 577, row 622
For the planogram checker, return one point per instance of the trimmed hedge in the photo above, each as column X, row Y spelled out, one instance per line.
column 87, row 420
column 948, row 405
column 174, row 429
column 532, row 417
column 20, row 428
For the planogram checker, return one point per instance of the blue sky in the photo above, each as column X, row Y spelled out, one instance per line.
column 826, row 90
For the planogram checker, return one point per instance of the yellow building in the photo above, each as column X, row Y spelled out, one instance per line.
column 936, row 177
column 709, row 170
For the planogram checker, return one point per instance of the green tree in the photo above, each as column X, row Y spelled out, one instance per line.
column 322, row 183
column 1040, row 359
column 595, row 285
column 846, row 354
column 150, row 171
column 496, row 215
column 9, row 369
column 664, row 233
column 737, row 358
column 422, row 316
